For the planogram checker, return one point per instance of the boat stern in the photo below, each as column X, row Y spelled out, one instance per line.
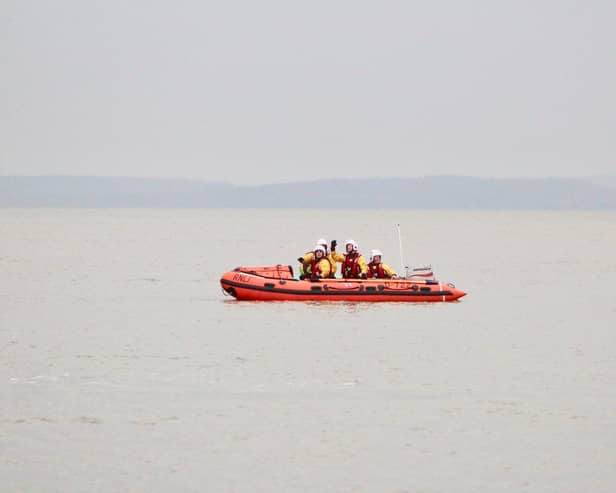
column 456, row 293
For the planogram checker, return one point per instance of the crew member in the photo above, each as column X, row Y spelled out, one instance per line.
column 319, row 267
column 377, row 269
column 353, row 263
column 308, row 257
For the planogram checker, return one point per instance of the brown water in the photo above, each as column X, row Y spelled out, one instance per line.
column 124, row 368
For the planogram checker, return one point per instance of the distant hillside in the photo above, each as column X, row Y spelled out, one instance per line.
column 433, row 192
column 91, row 191
column 605, row 181
column 436, row 192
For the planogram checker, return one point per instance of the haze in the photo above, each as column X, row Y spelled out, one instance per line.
column 274, row 91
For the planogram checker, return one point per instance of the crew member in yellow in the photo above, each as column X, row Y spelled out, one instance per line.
column 377, row 269
column 353, row 263
column 319, row 267
column 308, row 257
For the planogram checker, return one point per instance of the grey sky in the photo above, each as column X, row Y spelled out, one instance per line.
column 270, row 91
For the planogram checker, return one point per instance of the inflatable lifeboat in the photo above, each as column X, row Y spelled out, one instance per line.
column 276, row 283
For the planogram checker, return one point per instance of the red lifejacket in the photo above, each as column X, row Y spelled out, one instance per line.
column 350, row 266
column 376, row 271
column 313, row 268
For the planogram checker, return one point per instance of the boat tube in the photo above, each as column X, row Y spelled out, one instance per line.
column 276, row 283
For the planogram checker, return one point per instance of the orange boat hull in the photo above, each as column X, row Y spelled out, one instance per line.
column 255, row 284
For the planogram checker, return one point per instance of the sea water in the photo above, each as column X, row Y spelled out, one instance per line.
column 123, row 367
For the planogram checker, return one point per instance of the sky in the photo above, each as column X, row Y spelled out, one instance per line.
column 253, row 92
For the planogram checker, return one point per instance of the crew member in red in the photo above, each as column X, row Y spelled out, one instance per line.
column 306, row 259
column 353, row 263
column 377, row 269
column 319, row 266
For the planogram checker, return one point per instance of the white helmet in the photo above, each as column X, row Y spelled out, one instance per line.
column 351, row 242
column 319, row 247
column 375, row 253
column 322, row 241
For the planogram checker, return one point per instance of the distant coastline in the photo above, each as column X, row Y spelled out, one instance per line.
column 430, row 192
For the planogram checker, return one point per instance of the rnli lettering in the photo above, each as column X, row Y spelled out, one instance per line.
column 241, row 278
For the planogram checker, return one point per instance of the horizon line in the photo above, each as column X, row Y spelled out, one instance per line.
column 313, row 180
